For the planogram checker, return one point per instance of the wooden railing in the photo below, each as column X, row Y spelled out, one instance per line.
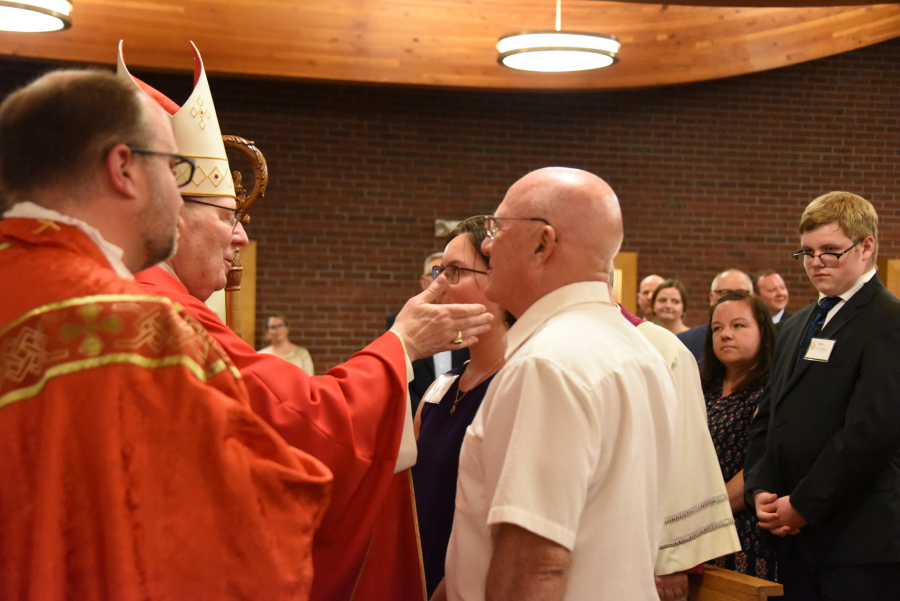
column 718, row 584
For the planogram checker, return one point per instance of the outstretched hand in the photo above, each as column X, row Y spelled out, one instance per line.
column 428, row 328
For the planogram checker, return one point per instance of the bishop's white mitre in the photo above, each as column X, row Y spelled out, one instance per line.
column 197, row 132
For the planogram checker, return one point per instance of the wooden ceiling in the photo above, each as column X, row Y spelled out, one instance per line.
column 451, row 43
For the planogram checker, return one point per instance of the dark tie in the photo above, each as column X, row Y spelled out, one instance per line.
column 815, row 324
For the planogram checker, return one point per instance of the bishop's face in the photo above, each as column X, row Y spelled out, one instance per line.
column 207, row 244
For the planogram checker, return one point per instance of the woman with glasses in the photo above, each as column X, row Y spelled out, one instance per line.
column 278, row 332
column 449, row 406
column 735, row 369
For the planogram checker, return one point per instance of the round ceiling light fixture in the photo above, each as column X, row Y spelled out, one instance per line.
column 32, row 16
column 557, row 51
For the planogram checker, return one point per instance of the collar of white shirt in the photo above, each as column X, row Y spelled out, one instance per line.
column 113, row 254
column 862, row 281
column 778, row 316
column 551, row 304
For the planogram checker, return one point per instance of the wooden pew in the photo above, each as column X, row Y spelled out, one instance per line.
column 718, row 584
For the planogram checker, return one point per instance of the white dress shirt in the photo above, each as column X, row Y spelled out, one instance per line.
column 573, row 442
column 845, row 296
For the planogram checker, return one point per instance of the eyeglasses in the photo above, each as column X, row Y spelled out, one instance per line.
column 232, row 220
column 182, row 170
column 492, row 224
column 451, row 272
column 276, row 326
column 828, row 259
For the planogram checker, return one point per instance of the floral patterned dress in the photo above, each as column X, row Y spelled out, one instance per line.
column 729, row 420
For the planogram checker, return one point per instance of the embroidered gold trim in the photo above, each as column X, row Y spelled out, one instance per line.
column 691, row 511
column 698, row 533
column 193, row 193
column 203, row 156
column 85, row 300
column 46, row 224
column 118, row 358
column 412, row 495
column 34, row 366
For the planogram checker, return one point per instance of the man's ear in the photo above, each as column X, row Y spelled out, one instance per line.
column 121, row 170
column 181, row 226
column 546, row 244
column 868, row 247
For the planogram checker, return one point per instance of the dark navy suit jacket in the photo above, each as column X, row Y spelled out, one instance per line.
column 828, row 433
column 694, row 339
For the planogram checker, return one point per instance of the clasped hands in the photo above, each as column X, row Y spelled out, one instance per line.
column 777, row 515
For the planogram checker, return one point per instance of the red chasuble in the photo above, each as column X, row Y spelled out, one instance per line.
column 131, row 465
column 352, row 420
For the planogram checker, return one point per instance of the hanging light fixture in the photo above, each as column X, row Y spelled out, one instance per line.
column 35, row 15
column 557, row 51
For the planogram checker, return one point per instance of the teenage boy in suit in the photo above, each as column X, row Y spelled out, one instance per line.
column 823, row 464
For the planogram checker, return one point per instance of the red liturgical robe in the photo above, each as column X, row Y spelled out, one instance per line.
column 351, row 419
column 131, row 464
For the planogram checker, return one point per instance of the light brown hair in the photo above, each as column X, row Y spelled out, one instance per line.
column 56, row 129
column 671, row 283
column 855, row 215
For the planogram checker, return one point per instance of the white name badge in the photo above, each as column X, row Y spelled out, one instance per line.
column 819, row 349
column 439, row 388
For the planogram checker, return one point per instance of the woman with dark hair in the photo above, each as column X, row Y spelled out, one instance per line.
column 735, row 370
column 449, row 406
column 669, row 303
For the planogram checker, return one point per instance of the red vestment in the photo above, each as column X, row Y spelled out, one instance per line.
column 352, row 420
column 131, row 464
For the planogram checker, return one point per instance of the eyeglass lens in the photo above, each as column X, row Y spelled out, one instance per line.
column 451, row 272
column 490, row 226
column 827, row 259
column 232, row 219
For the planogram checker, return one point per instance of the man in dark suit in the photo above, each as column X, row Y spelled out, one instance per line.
column 769, row 287
column 426, row 371
column 725, row 282
column 823, row 462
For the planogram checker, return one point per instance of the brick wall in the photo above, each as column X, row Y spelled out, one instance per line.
column 710, row 175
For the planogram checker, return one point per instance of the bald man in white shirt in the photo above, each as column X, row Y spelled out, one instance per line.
column 562, row 470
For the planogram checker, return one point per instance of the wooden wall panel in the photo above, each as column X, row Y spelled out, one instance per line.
column 451, row 43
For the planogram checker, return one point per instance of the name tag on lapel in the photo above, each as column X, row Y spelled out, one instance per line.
column 439, row 388
column 819, row 350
